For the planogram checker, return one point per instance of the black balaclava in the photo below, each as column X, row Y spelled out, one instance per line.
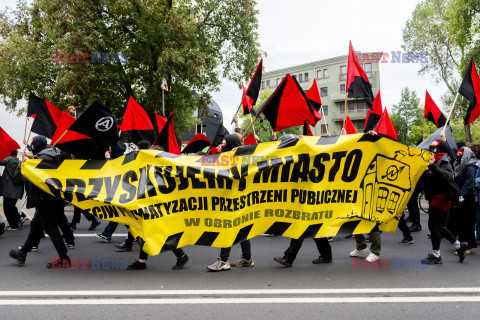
column 118, row 149
column 232, row 141
column 144, row 144
column 39, row 143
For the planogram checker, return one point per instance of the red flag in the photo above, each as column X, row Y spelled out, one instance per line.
column 33, row 105
column 64, row 123
column 432, row 112
column 7, row 144
column 198, row 143
column 306, row 129
column 73, row 142
column 46, row 120
column 349, row 127
column 374, row 114
column 137, row 122
column 385, row 126
column 470, row 89
column 167, row 138
column 250, row 139
column 357, row 84
column 289, row 106
column 314, row 96
column 160, row 121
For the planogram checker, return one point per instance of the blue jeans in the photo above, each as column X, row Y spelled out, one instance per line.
column 110, row 229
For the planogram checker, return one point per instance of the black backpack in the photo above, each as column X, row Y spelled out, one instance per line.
column 17, row 176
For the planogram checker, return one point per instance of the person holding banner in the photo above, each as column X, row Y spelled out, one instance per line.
column 230, row 142
column 12, row 190
column 440, row 190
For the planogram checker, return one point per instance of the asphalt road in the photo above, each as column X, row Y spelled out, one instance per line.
column 397, row 288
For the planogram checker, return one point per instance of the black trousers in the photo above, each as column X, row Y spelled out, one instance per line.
column 412, row 205
column 323, row 247
column 246, row 251
column 402, row 225
column 461, row 221
column 178, row 253
column 436, row 227
column 35, row 233
column 53, row 215
column 77, row 212
column 11, row 212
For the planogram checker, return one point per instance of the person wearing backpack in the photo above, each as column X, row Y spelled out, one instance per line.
column 12, row 186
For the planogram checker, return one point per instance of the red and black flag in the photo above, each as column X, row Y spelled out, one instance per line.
column 137, row 122
column 33, row 105
column 385, row 126
column 7, row 144
column 72, row 142
column 98, row 123
column 432, row 112
column 219, row 135
column 470, row 89
column 250, row 96
column 46, row 119
column 306, row 129
column 374, row 114
column 314, row 96
column 357, row 85
column 289, row 106
column 168, row 138
column 160, row 121
column 198, row 143
column 349, row 127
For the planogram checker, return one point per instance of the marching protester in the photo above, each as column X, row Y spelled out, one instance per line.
column 461, row 219
column 440, row 190
column 12, row 190
column 49, row 209
column 230, row 142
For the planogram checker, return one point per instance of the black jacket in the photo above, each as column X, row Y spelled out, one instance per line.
column 8, row 187
column 37, row 197
column 466, row 180
column 439, row 179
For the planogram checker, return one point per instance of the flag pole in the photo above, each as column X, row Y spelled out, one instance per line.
column 325, row 121
column 236, row 113
column 53, row 146
column 251, row 119
column 450, row 114
column 248, row 129
column 423, row 137
column 26, row 124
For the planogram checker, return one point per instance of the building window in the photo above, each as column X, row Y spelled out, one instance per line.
column 360, row 126
column 343, row 72
column 268, row 83
column 342, row 88
column 300, row 77
column 324, row 128
column 342, row 108
column 368, row 69
column 324, row 91
column 325, row 74
column 263, row 85
column 319, row 74
column 351, row 107
column 199, row 128
column 360, row 106
column 306, row 76
column 325, row 110
column 278, row 81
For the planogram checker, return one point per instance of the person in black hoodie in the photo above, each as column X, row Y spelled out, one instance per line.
column 461, row 219
column 12, row 190
column 440, row 190
column 49, row 209
column 230, row 142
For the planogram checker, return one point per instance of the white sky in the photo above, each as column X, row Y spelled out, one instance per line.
column 302, row 31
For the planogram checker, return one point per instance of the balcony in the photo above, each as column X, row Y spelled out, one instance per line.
column 340, row 96
column 354, row 115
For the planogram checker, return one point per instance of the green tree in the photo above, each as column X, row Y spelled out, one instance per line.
column 407, row 114
column 264, row 129
column 188, row 44
column 447, row 30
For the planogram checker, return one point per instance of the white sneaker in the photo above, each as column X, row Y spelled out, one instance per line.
column 372, row 257
column 359, row 253
column 219, row 265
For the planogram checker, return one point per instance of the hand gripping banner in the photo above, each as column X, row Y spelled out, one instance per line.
column 312, row 187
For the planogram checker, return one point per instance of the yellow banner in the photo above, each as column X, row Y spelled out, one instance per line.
column 312, row 187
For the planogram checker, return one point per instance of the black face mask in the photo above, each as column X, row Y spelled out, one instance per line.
column 438, row 146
